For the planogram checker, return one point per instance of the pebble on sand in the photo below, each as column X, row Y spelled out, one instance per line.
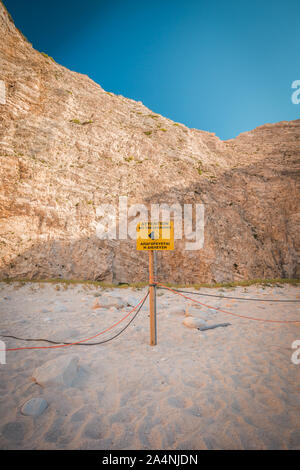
column 192, row 322
column 108, row 302
column 34, row 407
column 60, row 371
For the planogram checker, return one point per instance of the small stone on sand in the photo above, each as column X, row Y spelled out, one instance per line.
column 192, row 322
column 34, row 407
column 60, row 371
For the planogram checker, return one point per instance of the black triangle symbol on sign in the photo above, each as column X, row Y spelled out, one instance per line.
column 151, row 235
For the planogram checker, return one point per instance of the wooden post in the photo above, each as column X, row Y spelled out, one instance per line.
column 152, row 301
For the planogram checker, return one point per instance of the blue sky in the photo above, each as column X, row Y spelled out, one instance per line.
column 225, row 67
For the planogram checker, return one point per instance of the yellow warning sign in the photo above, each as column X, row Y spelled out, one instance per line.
column 155, row 236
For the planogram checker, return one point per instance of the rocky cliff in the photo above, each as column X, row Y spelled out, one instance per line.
column 67, row 146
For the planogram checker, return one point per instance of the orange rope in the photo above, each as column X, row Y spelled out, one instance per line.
column 225, row 311
column 83, row 340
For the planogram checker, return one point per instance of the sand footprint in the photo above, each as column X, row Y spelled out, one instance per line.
column 179, row 402
column 94, row 429
column 14, row 431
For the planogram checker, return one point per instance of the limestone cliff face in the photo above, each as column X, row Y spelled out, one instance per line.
column 67, row 146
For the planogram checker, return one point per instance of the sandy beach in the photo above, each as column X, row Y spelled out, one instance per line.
column 232, row 387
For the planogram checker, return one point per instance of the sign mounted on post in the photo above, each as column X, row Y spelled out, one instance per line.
column 152, row 236
column 155, row 236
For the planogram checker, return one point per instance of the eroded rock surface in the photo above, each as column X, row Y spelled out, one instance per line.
column 67, row 146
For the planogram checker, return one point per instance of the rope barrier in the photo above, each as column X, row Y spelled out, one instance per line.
column 236, row 298
column 225, row 311
column 138, row 307
column 62, row 344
